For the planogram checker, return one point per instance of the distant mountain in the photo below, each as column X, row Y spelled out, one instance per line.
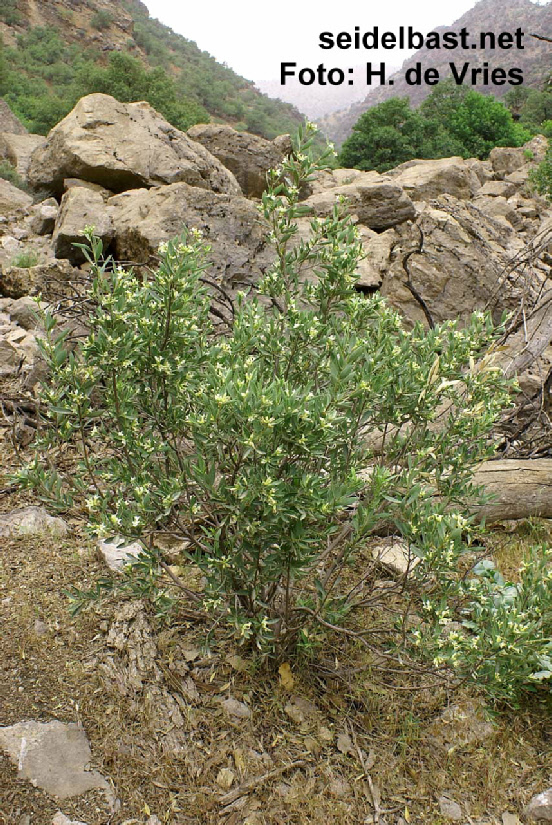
column 487, row 16
column 316, row 100
column 53, row 51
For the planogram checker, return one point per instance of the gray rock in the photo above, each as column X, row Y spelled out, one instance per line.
column 24, row 312
column 450, row 809
column 123, row 146
column 44, row 216
column 498, row 188
column 426, row 179
column 18, row 149
column 9, row 122
column 12, row 199
column 61, row 819
column 53, row 756
column 80, row 207
column 539, row 808
column 507, row 160
column 10, row 358
column 145, row 218
column 235, row 708
column 461, row 725
column 116, row 553
column 378, row 202
column 31, row 521
column 247, row 156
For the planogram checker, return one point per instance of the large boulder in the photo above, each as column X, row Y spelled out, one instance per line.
column 52, row 280
column 506, row 160
column 80, row 207
column 248, row 157
column 124, row 146
column 377, row 201
column 143, row 219
column 427, row 179
column 17, row 149
column 12, row 199
column 456, row 260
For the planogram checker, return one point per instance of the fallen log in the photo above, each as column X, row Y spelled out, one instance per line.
column 520, row 489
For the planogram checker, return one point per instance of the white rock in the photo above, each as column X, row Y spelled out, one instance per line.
column 540, row 807
column 31, row 521
column 116, row 553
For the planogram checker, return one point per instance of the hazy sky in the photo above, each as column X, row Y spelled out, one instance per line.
column 254, row 37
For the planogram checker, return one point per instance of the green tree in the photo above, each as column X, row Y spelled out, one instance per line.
column 481, row 122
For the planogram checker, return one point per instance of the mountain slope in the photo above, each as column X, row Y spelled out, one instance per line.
column 54, row 51
column 487, row 16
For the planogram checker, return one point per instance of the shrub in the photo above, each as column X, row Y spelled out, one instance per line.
column 25, row 260
column 246, row 439
column 9, row 172
column 101, row 20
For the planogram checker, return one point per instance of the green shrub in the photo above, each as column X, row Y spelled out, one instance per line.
column 249, row 443
column 101, row 20
column 541, row 177
column 25, row 260
column 9, row 172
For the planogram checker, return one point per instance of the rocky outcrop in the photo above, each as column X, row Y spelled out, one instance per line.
column 249, row 157
column 454, row 261
column 378, row 202
column 124, row 146
column 426, row 179
column 143, row 219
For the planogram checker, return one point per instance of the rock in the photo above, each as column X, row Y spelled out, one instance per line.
column 426, row 179
column 537, row 147
column 458, row 261
column 80, row 208
column 24, row 312
column 17, row 149
column 145, row 218
column 30, row 521
column 10, row 359
column 9, row 122
column 393, row 552
column 44, row 216
column 283, row 145
column 225, row 778
column 331, row 178
column 12, row 199
column 498, row 188
column 450, row 809
column 377, row 248
column 248, row 157
column 116, row 553
column 123, row 146
column 234, row 708
column 498, row 207
column 61, row 819
column 507, row 160
column 299, row 710
column 510, row 819
column 75, row 183
column 376, row 201
column 53, row 756
column 539, row 808
column 460, row 726
column 51, row 279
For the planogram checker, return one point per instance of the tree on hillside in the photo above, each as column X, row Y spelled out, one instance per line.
column 453, row 120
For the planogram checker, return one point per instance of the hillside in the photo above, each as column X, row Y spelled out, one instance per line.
column 535, row 60
column 44, row 68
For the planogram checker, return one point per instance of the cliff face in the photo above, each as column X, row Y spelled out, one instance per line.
column 535, row 59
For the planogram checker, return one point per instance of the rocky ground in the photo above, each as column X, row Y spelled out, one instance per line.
column 115, row 717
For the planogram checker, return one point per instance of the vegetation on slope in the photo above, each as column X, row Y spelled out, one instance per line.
column 44, row 70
